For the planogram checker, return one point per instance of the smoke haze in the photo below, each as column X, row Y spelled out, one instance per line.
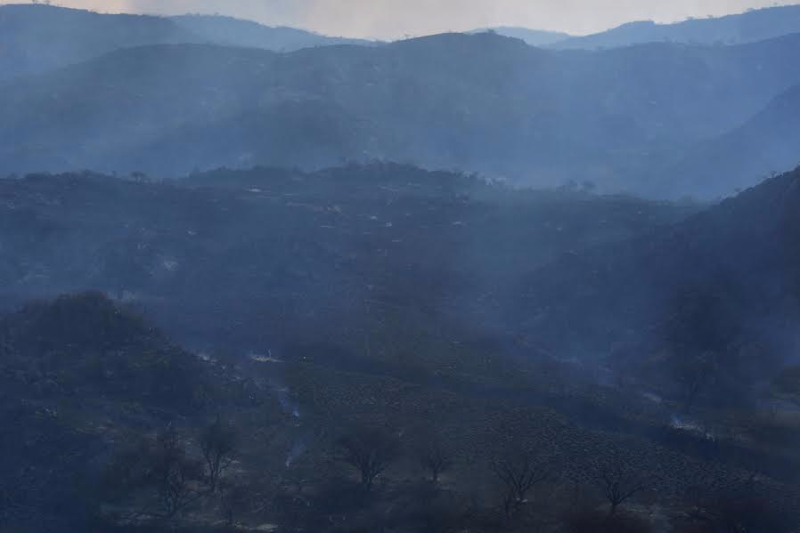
column 389, row 19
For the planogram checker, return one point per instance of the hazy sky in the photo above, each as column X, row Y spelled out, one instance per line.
column 396, row 18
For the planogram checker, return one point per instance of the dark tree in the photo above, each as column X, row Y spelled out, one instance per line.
column 519, row 473
column 217, row 442
column 434, row 459
column 619, row 481
column 370, row 451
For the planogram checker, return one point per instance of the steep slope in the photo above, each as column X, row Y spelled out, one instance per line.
column 724, row 284
column 752, row 26
column 483, row 103
column 766, row 144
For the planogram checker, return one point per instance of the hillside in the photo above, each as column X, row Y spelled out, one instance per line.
column 85, row 346
column 721, row 285
column 80, row 375
column 94, row 456
column 374, row 295
column 36, row 38
column 483, row 103
column 292, row 250
column 230, row 31
column 762, row 146
column 749, row 27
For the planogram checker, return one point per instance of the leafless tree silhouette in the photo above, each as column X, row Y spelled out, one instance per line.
column 370, row 451
column 434, row 459
column 217, row 443
column 618, row 481
column 519, row 473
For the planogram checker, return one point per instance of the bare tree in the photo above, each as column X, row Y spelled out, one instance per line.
column 370, row 451
column 173, row 474
column 518, row 473
column 217, row 442
column 619, row 481
column 435, row 459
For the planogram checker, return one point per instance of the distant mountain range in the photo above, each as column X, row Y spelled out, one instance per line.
column 749, row 27
column 237, row 32
column 481, row 103
column 121, row 93
column 37, row 38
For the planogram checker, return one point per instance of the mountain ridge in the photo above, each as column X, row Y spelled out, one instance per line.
column 742, row 28
column 533, row 37
column 37, row 38
column 320, row 106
